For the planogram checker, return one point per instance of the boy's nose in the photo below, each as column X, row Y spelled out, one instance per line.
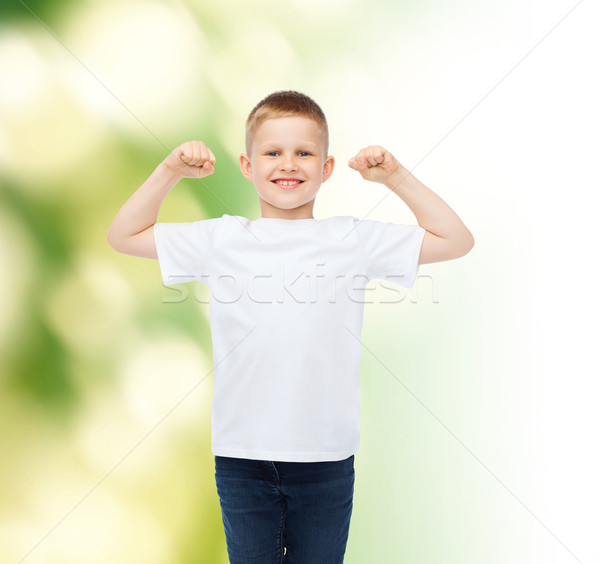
column 288, row 163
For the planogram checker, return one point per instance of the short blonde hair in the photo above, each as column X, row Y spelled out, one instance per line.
column 285, row 103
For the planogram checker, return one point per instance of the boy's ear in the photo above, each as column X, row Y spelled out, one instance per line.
column 328, row 167
column 246, row 167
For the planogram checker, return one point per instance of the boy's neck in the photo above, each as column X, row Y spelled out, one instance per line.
column 284, row 217
column 302, row 212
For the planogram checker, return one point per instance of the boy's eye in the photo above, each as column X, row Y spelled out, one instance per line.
column 275, row 153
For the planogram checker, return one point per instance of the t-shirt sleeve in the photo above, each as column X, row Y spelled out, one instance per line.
column 184, row 249
column 391, row 251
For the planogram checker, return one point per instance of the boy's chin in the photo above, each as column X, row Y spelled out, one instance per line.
column 280, row 194
column 284, row 202
column 273, row 204
column 286, row 205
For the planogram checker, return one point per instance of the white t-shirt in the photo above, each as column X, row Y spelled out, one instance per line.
column 286, row 311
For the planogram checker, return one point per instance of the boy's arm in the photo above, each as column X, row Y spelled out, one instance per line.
column 446, row 236
column 132, row 231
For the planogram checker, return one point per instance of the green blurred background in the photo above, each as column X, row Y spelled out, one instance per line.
column 106, row 381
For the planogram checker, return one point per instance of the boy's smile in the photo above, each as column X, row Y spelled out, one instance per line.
column 287, row 164
column 288, row 183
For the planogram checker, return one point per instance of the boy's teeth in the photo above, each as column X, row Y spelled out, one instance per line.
column 287, row 183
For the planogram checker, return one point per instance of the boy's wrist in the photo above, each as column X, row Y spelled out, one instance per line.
column 168, row 173
column 399, row 179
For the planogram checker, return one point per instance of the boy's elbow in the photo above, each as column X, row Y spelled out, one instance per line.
column 139, row 245
column 468, row 244
column 114, row 241
column 471, row 241
column 111, row 239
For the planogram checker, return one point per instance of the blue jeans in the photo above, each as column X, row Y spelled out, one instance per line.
column 285, row 512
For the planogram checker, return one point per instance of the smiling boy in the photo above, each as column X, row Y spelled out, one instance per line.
column 287, row 162
column 286, row 344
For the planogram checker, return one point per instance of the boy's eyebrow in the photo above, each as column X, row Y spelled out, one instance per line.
column 299, row 144
column 275, row 144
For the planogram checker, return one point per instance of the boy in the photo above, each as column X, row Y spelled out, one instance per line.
column 286, row 314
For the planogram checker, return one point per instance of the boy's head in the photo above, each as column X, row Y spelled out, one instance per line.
column 287, row 140
column 286, row 103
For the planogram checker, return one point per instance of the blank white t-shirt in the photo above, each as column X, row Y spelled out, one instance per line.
column 286, row 312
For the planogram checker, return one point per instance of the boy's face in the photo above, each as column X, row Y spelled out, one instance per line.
column 287, row 164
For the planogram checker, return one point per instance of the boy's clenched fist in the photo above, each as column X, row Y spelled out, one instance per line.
column 375, row 164
column 192, row 159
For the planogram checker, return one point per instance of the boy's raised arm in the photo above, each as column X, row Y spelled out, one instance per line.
column 446, row 236
column 132, row 230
